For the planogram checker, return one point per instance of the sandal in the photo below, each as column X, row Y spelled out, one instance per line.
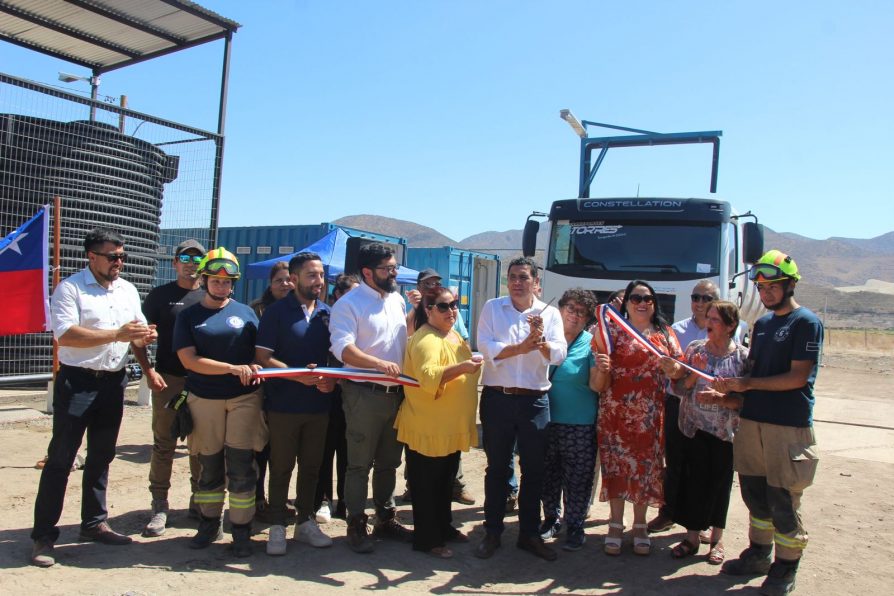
column 441, row 552
column 641, row 546
column 684, row 549
column 613, row 543
column 717, row 554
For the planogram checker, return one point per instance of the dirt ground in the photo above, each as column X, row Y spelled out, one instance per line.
column 849, row 513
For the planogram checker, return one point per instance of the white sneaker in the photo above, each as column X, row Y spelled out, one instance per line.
column 323, row 514
column 276, row 541
column 310, row 533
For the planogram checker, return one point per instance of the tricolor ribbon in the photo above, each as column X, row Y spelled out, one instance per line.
column 606, row 312
column 362, row 375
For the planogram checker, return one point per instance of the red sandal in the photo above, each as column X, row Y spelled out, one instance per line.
column 684, row 549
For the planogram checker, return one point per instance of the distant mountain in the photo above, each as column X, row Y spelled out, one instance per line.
column 826, row 263
column 416, row 235
column 880, row 244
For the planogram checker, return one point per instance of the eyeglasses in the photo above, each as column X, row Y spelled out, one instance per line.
column 640, row 298
column 702, row 298
column 430, row 283
column 112, row 257
column 445, row 306
column 389, row 268
column 767, row 272
column 194, row 259
column 578, row 312
column 216, row 266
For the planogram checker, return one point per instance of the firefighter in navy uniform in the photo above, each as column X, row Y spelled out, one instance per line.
column 774, row 448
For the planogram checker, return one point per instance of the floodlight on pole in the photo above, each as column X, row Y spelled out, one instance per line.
column 94, row 87
column 574, row 123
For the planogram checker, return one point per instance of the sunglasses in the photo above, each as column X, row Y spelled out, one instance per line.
column 216, row 266
column 445, row 306
column 767, row 272
column 640, row 298
column 112, row 256
column 194, row 259
column 702, row 298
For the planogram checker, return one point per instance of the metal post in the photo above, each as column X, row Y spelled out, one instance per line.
column 121, row 116
column 219, row 143
column 57, row 276
column 94, row 94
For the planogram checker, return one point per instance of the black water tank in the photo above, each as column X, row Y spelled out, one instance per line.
column 104, row 178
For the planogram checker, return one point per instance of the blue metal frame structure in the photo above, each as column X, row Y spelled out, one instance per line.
column 642, row 138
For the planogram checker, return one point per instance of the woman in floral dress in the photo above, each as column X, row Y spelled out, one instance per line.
column 631, row 415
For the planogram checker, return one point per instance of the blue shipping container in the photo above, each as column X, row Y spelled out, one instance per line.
column 475, row 275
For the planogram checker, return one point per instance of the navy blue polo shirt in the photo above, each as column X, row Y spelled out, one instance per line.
column 296, row 341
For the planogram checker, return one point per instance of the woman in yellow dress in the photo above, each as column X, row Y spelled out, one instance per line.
column 437, row 419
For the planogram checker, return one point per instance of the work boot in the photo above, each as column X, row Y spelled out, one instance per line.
column 209, row 531
column 780, row 579
column 156, row 525
column 358, row 534
column 754, row 560
column 242, row 540
column 387, row 526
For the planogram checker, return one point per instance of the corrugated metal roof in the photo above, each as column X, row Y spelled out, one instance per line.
column 104, row 35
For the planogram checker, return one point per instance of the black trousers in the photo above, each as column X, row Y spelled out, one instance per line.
column 335, row 451
column 673, row 454
column 705, row 482
column 82, row 403
column 431, row 482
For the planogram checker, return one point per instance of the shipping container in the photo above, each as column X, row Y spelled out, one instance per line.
column 474, row 275
column 251, row 244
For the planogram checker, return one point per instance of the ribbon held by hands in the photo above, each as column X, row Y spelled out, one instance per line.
column 362, row 375
column 606, row 312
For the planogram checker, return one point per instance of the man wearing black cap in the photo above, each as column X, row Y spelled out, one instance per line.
column 167, row 377
column 427, row 279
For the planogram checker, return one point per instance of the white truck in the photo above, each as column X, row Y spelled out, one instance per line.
column 601, row 244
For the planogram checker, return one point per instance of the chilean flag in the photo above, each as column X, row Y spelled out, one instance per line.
column 23, row 277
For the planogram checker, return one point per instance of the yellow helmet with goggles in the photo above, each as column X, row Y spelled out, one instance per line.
column 774, row 266
column 219, row 262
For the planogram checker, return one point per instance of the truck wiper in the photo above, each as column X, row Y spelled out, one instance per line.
column 568, row 267
column 663, row 268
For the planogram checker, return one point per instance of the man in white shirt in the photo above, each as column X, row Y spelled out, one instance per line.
column 95, row 317
column 368, row 329
column 520, row 337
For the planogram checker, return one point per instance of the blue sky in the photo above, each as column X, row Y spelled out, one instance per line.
column 446, row 113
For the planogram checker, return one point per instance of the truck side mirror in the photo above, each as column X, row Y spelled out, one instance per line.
column 529, row 237
column 752, row 242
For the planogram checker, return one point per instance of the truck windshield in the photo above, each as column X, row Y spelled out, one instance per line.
column 628, row 250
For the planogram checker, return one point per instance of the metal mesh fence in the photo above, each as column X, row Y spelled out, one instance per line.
column 131, row 172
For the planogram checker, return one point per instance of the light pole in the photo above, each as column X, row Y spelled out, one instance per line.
column 94, row 88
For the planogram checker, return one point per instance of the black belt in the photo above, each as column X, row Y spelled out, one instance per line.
column 98, row 374
column 516, row 391
column 379, row 388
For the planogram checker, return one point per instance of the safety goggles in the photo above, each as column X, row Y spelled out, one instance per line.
column 112, row 257
column 194, row 259
column 640, row 298
column 702, row 298
column 445, row 306
column 221, row 267
column 766, row 273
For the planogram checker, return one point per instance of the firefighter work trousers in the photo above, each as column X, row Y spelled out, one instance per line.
column 163, row 445
column 775, row 464
column 226, row 432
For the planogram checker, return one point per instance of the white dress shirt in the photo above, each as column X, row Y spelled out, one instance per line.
column 501, row 325
column 376, row 324
column 80, row 300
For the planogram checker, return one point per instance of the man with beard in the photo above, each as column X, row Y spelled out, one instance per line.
column 369, row 330
column 774, row 449
column 95, row 317
column 294, row 333
column 168, row 377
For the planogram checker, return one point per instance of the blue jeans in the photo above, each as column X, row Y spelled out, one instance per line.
column 505, row 421
column 82, row 403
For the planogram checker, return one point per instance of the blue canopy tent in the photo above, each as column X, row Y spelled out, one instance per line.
column 332, row 249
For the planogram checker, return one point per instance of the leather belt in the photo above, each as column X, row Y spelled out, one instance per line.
column 98, row 374
column 379, row 388
column 516, row 391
